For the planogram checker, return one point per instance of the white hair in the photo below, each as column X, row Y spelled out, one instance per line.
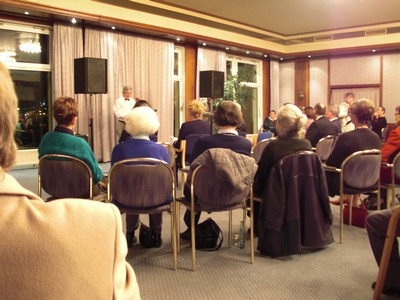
column 290, row 120
column 142, row 120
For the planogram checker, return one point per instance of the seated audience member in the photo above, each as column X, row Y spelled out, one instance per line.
column 269, row 123
column 379, row 121
column 125, row 135
column 361, row 138
column 196, row 126
column 140, row 123
column 310, row 114
column 290, row 122
column 321, row 127
column 47, row 250
column 377, row 224
column 227, row 117
column 63, row 141
column 332, row 113
column 391, row 148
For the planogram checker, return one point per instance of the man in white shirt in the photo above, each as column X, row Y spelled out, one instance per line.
column 347, row 125
column 122, row 106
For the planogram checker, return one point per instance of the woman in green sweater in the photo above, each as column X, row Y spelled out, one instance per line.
column 63, row 141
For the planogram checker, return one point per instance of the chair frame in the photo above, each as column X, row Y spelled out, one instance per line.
column 392, row 185
column 322, row 140
column 172, row 205
column 64, row 158
column 387, row 249
column 340, row 171
column 192, row 219
column 263, row 144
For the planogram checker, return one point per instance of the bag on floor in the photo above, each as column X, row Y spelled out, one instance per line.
column 359, row 214
column 146, row 238
column 208, row 236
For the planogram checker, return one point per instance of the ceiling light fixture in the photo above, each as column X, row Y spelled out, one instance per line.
column 113, row 27
column 227, row 48
column 281, row 58
column 373, row 50
column 204, row 44
column 309, row 56
column 26, row 13
column 247, row 52
column 178, row 39
column 73, row 21
column 265, row 55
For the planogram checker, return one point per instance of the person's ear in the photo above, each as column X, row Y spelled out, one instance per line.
column 74, row 120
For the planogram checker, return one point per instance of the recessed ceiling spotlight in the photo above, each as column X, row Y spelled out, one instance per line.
column 113, row 27
column 281, row 58
column 373, row 50
column 265, row 55
column 247, row 52
column 227, row 48
column 27, row 12
column 309, row 56
column 178, row 39
column 204, row 44
column 73, row 21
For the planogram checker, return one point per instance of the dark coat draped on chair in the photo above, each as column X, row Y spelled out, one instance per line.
column 295, row 211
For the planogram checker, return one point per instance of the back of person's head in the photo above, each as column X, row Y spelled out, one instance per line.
column 140, row 103
column 349, row 95
column 197, row 108
column 65, row 109
column 8, row 119
column 228, row 113
column 142, row 121
column 290, row 120
column 309, row 112
column 334, row 109
column 363, row 109
column 383, row 109
column 320, row 109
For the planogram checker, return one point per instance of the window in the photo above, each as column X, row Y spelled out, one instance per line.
column 179, row 108
column 249, row 73
column 25, row 51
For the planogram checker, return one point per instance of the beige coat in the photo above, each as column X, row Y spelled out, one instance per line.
column 65, row 249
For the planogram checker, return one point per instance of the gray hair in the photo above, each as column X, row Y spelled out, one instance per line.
column 126, row 88
column 142, row 120
column 8, row 120
column 334, row 109
column 290, row 120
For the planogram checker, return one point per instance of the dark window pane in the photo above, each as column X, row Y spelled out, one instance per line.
column 247, row 72
column 33, row 89
column 176, row 108
column 176, row 64
column 24, row 47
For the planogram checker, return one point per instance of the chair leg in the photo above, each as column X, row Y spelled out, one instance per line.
column 251, row 228
column 230, row 230
column 192, row 228
column 178, row 226
column 341, row 220
column 173, row 237
column 387, row 249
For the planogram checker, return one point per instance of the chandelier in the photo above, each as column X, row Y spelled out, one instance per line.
column 29, row 43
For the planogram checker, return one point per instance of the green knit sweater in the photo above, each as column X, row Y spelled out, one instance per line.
column 63, row 143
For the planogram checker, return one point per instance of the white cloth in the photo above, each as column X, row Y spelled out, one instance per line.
column 122, row 107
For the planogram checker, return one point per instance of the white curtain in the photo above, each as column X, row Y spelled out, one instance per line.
column 337, row 95
column 274, row 75
column 146, row 65
column 209, row 60
column 67, row 45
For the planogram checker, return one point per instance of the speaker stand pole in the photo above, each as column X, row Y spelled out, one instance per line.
column 91, row 117
column 210, row 102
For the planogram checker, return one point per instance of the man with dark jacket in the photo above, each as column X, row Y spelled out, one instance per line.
column 321, row 127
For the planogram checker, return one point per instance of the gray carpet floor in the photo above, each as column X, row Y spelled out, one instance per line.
column 339, row 271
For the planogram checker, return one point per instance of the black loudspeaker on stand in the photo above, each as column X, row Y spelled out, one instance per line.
column 90, row 77
column 211, row 87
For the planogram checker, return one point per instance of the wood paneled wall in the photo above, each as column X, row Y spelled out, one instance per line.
column 266, row 88
column 302, row 83
column 190, row 76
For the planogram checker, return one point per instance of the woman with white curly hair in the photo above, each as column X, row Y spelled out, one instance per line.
column 290, row 122
column 140, row 123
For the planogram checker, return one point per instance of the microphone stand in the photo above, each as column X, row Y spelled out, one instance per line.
column 91, row 117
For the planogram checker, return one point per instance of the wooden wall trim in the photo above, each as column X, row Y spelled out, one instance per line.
column 355, row 86
column 302, row 83
column 190, row 76
column 381, row 81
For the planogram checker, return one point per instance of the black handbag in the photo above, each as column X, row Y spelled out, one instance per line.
column 146, row 237
column 208, row 236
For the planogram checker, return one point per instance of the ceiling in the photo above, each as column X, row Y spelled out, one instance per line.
column 295, row 17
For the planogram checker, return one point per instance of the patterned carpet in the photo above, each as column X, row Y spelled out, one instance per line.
column 340, row 271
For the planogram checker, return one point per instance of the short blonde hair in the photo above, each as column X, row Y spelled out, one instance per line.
column 290, row 120
column 8, row 119
column 197, row 108
column 142, row 120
